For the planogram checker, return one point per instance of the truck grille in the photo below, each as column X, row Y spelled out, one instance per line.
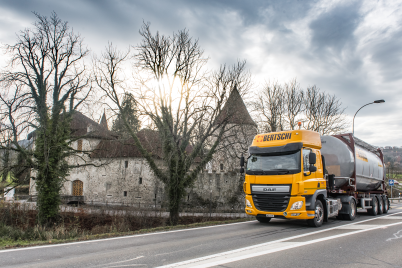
column 273, row 202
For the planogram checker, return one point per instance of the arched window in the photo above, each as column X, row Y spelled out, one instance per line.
column 78, row 187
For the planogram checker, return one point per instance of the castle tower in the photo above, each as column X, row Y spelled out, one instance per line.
column 103, row 121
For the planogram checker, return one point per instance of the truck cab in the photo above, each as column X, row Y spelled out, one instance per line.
column 285, row 178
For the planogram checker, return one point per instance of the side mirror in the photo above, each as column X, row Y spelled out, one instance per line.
column 312, row 169
column 241, row 170
column 242, row 161
column 312, row 158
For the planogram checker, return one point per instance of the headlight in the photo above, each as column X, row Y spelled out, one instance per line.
column 297, row 205
column 248, row 204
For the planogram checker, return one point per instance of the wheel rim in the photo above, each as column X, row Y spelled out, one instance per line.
column 319, row 213
column 386, row 203
column 380, row 204
column 375, row 205
column 352, row 208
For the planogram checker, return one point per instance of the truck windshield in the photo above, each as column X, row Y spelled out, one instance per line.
column 274, row 164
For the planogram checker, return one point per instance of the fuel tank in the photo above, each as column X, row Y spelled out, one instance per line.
column 340, row 161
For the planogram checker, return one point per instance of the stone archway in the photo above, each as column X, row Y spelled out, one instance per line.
column 78, row 188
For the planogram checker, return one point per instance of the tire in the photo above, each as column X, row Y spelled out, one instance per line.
column 380, row 205
column 352, row 211
column 386, row 204
column 373, row 211
column 319, row 215
column 263, row 220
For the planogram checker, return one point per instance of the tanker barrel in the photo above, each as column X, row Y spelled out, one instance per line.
column 341, row 162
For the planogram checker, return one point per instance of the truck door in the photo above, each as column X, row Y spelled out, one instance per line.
column 312, row 180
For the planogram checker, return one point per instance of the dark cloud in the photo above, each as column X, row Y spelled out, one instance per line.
column 335, row 28
column 316, row 42
column 388, row 55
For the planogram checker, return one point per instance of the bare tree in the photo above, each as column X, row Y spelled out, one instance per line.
column 324, row 112
column 270, row 107
column 42, row 87
column 174, row 92
column 293, row 103
column 280, row 107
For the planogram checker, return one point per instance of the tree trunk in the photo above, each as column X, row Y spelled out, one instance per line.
column 48, row 199
column 176, row 191
column 51, row 170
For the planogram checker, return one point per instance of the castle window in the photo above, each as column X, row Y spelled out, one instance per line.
column 79, row 145
column 221, row 167
column 126, row 164
column 140, row 180
column 125, row 193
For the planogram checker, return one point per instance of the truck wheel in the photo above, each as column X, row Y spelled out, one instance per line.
column 352, row 211
column 386, row 204
column 380, row 205
column 263, row 220
column 374, row 207
column 319, row 215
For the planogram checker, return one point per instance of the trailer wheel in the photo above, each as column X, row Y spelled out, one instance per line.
column 263, row 220
column 380, row 205
column 386, row 204
column 352, row 211
column 319, row 215
column 374, row 207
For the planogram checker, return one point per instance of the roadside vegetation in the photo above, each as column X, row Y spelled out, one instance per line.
column 19, row 227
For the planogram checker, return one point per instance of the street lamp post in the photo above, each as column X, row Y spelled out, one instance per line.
column 376, row 101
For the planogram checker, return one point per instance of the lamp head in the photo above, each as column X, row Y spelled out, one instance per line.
column 379, row 101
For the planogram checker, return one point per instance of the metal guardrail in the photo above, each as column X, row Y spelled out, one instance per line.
column 395, row 199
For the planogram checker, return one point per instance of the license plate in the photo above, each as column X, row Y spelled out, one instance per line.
column 269, row 215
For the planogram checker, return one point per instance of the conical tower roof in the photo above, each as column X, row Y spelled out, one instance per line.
column 103, row 121
column 235, row 110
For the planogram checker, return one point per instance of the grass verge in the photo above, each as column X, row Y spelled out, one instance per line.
column 7, row 243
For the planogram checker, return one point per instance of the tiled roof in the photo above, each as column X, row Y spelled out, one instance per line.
column 125, row 148
column 149, row 139
column 82, row 126
column 235, row 111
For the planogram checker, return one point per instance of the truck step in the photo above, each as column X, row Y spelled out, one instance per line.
column 363, row 203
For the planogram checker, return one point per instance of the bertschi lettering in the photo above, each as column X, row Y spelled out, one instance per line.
column 277, row 137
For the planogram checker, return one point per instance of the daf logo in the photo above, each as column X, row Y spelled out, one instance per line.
column 269, row 189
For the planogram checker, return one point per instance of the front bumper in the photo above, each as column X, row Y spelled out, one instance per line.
column 302, row 212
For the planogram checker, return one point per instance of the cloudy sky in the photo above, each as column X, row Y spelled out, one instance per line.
column 349, row 48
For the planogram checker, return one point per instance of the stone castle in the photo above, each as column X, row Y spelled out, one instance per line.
column 112, row 170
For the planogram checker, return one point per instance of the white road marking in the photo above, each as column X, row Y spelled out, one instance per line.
column 139, row 257
column 359, row 226
column 393, row 218
column 168, row 232
column 123, row 237
column 397, row 235
column 258, row 250
column 128, row 265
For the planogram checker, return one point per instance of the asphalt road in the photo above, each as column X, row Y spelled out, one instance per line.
column 367, row 241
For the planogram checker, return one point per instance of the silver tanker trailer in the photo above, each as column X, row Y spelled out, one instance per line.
column 355, row 169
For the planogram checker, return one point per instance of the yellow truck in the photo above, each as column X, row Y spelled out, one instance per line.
column 299, row 174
